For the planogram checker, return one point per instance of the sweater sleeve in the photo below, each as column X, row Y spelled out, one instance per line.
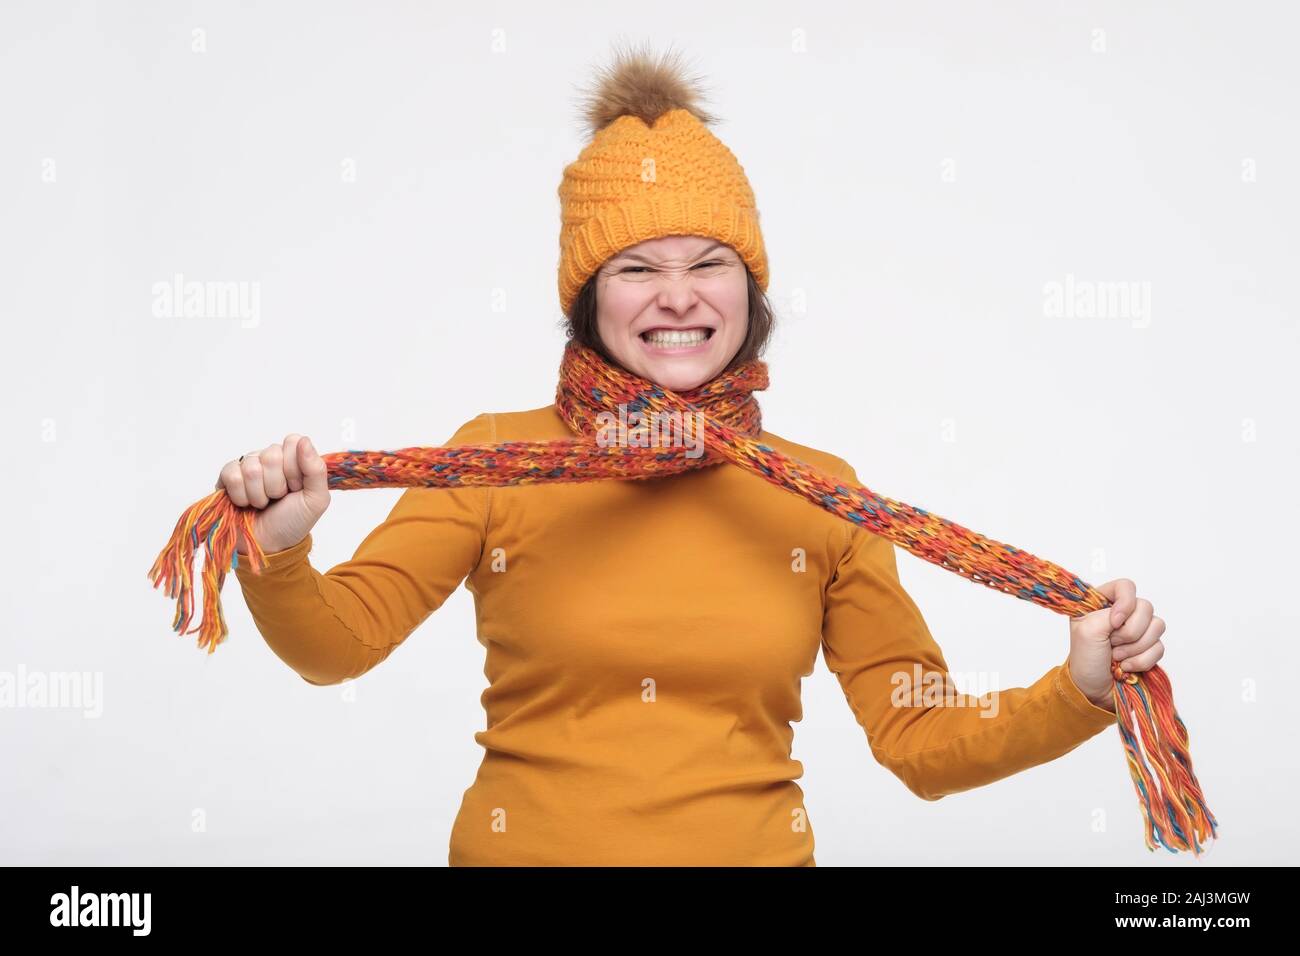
column 338, row 625
column 936, row 741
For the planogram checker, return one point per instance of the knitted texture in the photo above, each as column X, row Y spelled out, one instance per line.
column 636, row 181
column 1160, row 764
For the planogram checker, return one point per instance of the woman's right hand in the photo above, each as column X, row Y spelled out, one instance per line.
column 288, row 483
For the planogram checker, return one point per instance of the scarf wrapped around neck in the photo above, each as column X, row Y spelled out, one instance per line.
column 725, row 422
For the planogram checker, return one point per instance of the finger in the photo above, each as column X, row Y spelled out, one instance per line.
column 1155, row 630
column 232, row 479
column 1136, row 625
column 292, row 471
column 251, row 468
column 315, row 476
column 1122, row 594
column 273, row 482
column 1146, row 660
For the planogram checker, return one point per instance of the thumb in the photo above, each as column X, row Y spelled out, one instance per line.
column 1092, row 628
column 315, row 477
column 1122, row 594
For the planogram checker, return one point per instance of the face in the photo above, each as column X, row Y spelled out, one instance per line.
column 674, row 309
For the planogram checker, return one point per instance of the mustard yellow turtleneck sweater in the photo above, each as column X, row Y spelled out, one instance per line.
column 645, row 641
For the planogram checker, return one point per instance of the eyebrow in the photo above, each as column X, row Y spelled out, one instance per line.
column 641, row 258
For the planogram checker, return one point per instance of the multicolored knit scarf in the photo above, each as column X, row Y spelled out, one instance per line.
column 590, row 394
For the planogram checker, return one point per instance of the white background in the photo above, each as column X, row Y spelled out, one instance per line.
column 923, row 172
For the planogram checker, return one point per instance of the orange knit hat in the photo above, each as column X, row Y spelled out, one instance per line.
column 651, row 169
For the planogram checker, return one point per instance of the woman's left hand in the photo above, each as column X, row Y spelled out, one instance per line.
column 1127, row 631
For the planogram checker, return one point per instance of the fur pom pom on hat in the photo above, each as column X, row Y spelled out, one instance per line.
column 652, row 168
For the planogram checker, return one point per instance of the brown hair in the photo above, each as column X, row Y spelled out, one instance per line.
column 580, row 323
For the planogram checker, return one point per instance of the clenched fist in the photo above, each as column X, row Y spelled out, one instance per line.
column 288, row 482
column 1127, row 631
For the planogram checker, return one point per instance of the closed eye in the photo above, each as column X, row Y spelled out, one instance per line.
column 711, row 262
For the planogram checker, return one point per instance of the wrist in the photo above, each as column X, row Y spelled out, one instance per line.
column 1105, row 703
column 242, row 546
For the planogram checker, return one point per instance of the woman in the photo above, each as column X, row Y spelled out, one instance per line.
column 646, row 639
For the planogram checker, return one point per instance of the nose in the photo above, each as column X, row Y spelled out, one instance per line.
column 676, row 295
